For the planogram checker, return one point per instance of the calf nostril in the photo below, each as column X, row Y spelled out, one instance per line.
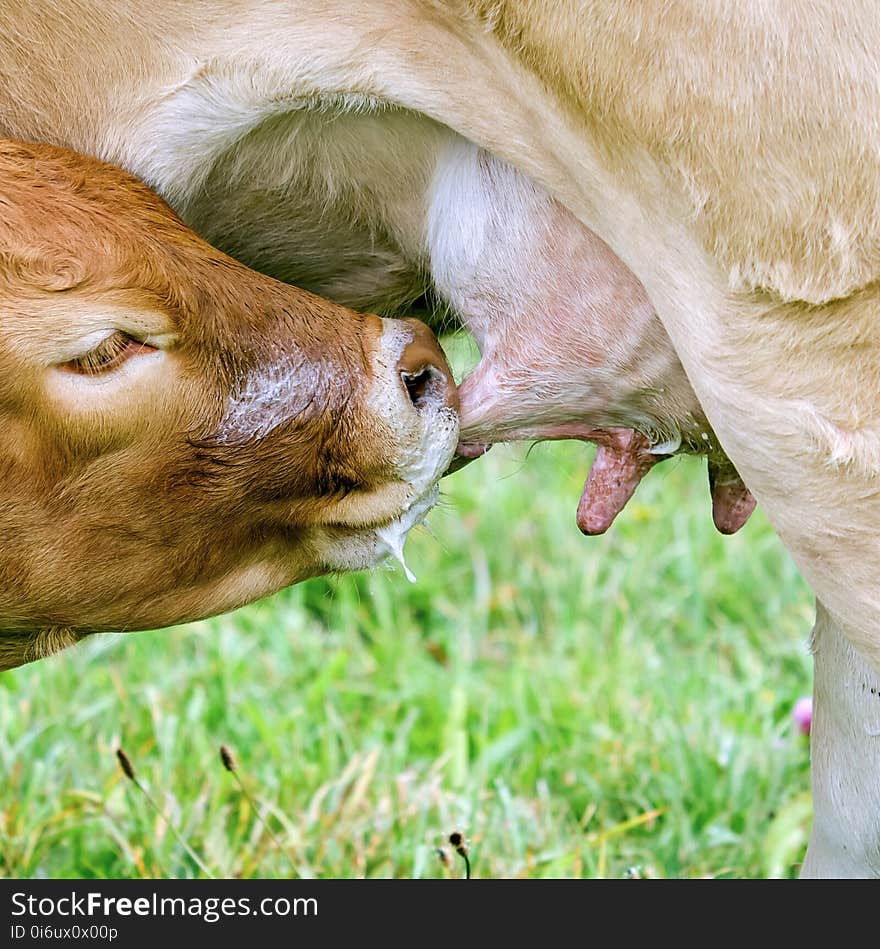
column 423, row 371
column 420, row 384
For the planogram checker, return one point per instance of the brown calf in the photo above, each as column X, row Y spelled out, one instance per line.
column 183, row 435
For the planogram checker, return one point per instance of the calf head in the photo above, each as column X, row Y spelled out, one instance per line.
column 182, row 435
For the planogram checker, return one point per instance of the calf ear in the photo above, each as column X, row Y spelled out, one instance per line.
column 20, row 648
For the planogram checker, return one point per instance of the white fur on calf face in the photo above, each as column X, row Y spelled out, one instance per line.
column 427, row 432
column 275, row 394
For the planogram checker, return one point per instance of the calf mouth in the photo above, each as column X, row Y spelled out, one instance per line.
column 415, row 400
column 422, row 470
column 343, row 549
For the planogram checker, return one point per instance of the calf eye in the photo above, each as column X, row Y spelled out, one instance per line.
column 108, row 355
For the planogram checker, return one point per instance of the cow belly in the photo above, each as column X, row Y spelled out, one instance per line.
column 328, row 200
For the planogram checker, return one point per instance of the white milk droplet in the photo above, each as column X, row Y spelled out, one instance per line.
column 394, row 538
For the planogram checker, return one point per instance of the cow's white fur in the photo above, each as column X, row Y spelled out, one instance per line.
column 732, row 161
column 337, row 184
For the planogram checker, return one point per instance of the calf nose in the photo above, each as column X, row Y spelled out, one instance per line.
column 424, row 372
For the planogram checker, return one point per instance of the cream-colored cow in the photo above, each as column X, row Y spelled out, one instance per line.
column 728, row 153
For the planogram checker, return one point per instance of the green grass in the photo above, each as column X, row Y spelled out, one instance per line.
column 577, row 707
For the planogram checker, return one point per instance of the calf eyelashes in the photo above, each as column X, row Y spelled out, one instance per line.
column 108, row 355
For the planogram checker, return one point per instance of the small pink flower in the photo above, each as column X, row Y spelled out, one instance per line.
column 802, row 713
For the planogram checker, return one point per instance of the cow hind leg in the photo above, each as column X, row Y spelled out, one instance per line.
column 845, row 757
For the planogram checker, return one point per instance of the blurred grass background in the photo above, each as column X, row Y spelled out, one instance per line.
column 576, row 707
